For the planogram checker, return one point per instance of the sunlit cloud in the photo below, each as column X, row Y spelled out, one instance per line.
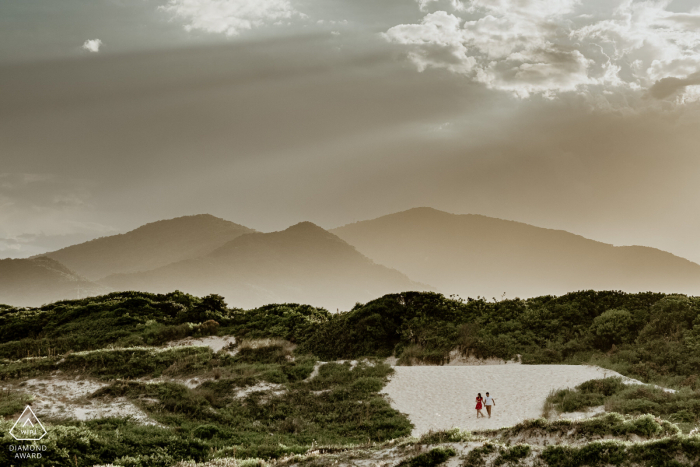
column 541, row 47
column 92, row 45
column 230, row 17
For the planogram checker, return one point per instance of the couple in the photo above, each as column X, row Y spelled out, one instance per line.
column 488, row 402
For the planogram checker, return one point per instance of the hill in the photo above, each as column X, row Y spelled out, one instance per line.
column 150, row 246
column 303, row 263
column 114, row 388
column 33, row 282
column 472, row 255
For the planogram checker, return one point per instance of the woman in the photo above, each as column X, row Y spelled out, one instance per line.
column 479, row 405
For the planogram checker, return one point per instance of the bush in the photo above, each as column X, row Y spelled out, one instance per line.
column 13, row 402
column 453, row 435
column 431, row 458
column 206, row 431
column 611, row 328
column 512, row 455
column 611, row 424
column 477, row 456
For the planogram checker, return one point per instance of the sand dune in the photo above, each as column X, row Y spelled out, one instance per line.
column 442, row 397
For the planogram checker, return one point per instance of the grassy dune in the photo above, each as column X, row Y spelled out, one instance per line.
column 261, row 403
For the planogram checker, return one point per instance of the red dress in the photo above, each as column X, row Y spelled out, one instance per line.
column 478, row 403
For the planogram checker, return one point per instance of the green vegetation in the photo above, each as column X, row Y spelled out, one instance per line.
column 650, row 336
column 612, row 424
column 340, row 406
column 681, row 407
column 115, row 338
column 453, row 435
column 591, row 446
column 674, row 452
column 131, row 319
column 12, row 402
column 435, row 456
column 477, row 456
column 512, row 455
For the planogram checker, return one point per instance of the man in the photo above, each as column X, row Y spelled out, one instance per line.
column 488, row 402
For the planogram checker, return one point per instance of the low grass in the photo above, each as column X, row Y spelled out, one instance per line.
column 453, row 435
column 512, row 455
column 12, row 402
column 676, row 452
column 681, row 407
column 115, row 363
column 479, row 456
column 611, row 424
column 339, row 407
column 435, row 456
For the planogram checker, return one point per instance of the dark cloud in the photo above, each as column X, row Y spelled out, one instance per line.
column 667, row 87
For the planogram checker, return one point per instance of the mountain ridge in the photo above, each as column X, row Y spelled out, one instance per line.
column 152, row 245
column 471, row 254
column 303, row 263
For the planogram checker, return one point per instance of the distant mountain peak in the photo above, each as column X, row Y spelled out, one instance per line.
column 150, row 246
column 306, row 228
column 472, row 255
column 303, row 263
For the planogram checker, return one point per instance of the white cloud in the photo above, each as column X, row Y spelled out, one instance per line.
column 92, row 45
column 230, row 17
column 547, row 47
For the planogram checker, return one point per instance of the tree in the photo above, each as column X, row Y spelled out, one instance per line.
column 612, row 327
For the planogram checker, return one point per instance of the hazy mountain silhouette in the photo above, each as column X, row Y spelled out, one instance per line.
column 150, row 246
column 474, row 255
column 35, row 281
column 303, row 264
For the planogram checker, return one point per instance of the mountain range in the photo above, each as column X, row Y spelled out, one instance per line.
column 472, row 255
column 150, row 246
column 302, row 264
column 419, row 249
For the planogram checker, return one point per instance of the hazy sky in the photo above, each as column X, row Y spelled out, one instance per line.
column 577, row 115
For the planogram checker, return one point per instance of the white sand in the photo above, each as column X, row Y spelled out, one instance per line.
column 442, row 397
column 65, row 398
column 215, row 343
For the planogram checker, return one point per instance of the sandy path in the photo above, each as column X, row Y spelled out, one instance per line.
column 442, row 397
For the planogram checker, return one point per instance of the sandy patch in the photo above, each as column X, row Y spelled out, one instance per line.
column 62, row 398
column 274, row 390
column 457, row 359
column 215, row 343
column 591, row 412
column 442, row 397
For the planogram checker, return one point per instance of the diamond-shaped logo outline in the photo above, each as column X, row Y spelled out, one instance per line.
column 34, row 424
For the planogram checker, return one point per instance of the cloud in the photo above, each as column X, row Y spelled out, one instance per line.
column 666, row 87
column 92, row 45
column 542, row 47
column 230, row 17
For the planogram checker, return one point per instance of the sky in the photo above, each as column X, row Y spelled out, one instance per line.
column 574, row 115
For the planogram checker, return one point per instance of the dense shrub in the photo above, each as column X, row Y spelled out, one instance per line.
column 435, row 456
column 651, row 336
column 676, row 451
column 612, row 424
column 611, row 327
